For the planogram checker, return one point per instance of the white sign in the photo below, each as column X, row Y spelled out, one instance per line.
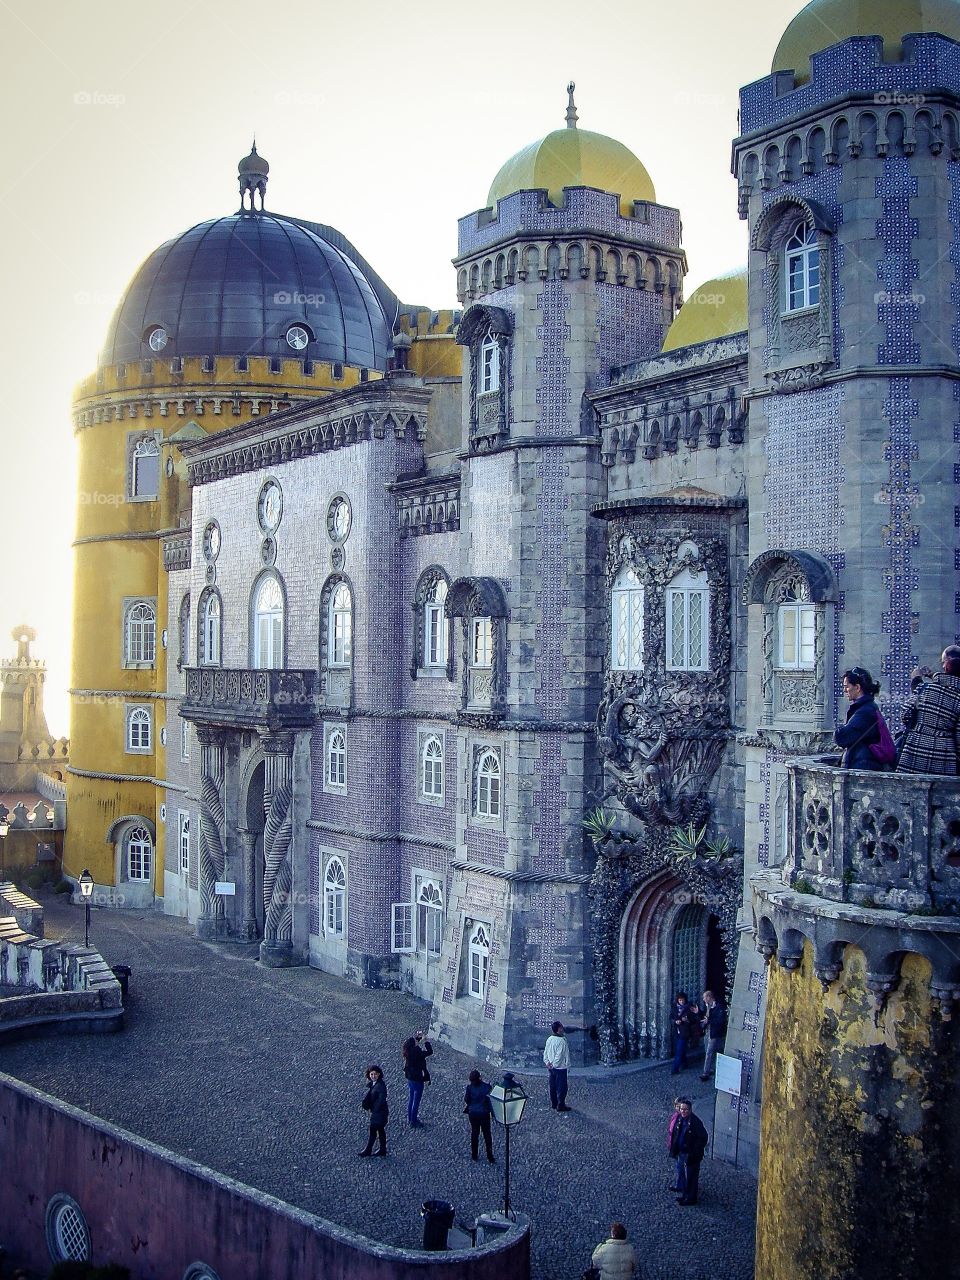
column 225, row 887
column 729, row 1074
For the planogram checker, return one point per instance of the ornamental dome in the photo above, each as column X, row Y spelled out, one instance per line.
column 573, row 157
column 715, row 310
column 253, row 163
column 826, row 22
column 237, row 286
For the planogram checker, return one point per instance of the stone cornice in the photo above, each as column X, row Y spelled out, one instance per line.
column 140, row 406
column 704, row 502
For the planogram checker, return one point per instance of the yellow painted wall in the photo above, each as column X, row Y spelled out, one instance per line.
column 860, row 1134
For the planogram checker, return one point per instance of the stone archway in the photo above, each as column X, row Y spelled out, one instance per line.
column 646, row 965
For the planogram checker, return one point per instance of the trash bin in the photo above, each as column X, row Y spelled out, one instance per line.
column 122, row 974
column 437, row 1221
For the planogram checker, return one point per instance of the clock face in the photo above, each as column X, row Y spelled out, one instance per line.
column 270, row 507
column 211, row 541
column 338, row 519
column 297, row 337
column 158, row 338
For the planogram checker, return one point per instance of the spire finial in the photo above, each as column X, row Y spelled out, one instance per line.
column 571, row 107
column 252, row 171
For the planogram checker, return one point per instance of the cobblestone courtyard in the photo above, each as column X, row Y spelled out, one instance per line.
column 258, row 1074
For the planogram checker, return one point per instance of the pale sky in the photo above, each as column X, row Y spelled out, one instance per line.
column 124, row 123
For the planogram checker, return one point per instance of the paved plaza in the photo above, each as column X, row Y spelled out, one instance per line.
column 258, row 1074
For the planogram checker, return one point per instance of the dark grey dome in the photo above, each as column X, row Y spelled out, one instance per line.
column 234, row 286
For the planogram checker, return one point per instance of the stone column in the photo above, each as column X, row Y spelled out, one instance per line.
column 277, row 947
column 248, row 862
column 212, row 922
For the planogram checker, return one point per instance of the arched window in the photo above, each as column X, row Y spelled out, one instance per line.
column 796, row 630
column 340, row 627
column 334, row 898
column 139, row 729
column 435, row 630
column 688, row 623
column 431, row 768
column 429, row 916
column 140, row 634
column 478, row 960
column 627, row 621
column 145, row 479
column 802, row 268
column 336, row 759
column 268, row 613
column 489, row 375
column 211, row 630
column 486, row 796
column 139, row 854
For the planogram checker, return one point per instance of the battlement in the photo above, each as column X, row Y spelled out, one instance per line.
column 931, row 64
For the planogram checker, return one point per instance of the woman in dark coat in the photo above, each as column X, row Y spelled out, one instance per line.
column 476, row 1105
column 415, row 1051
column 375, row 1101
column 862, row 726
column 933, row 741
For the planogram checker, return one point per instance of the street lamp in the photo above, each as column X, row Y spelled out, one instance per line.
column 86, row 891
column 4, row 828
column 507, row 1102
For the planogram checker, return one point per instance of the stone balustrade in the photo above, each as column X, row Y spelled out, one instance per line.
column 63, row 985
column 238, row 698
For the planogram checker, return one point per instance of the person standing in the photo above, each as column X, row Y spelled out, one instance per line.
column 476, row 1106
column 682, row 1026
column 375, row 1102
column 688, row 1143
column 933, row 740
column 861, row 729
column 415, row 1050
column 616, row 1258
column 714, row 1023
column 671, row 1125
column 556, row 1058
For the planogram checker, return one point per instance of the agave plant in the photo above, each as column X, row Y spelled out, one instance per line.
column 688, row 842
column 598, row 824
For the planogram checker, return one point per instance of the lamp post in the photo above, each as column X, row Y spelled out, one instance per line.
column 4, row 828
column 507, row 1102
column 86, row 891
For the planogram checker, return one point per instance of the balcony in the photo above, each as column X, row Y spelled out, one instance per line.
column 250, row 698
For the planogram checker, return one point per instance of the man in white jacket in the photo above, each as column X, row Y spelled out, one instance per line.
column 556, row 1058
column 615, row 1259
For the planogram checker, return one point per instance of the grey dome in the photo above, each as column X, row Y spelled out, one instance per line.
column 234, row 286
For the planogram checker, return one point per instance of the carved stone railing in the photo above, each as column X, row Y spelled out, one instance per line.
column 250, row 698
column 874, row 839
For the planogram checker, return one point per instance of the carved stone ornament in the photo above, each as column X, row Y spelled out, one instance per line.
column 802, row 378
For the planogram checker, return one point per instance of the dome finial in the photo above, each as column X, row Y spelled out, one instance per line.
column 253, row 171
column 572, row 116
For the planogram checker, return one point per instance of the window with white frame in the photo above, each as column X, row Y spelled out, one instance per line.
column 688, row 622
column 340, row 627
column 478, row 960
column 487, row 788
column 802, row 268
column 481, row 642
column 334, row 898
column 139, row 729
column 627, row 621
column 268, row 624
column 431, row 768
column 489, row 379
column 429, row 903
column 183, row 840
column 184, row 740
column 336, row 758
column 139, row 857
column 435, row 628
column 140, row 634
column 796, row 636
column 145, row 471
column 211, row 630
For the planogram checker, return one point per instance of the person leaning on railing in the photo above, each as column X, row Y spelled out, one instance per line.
column 933, row 740
column 862, row 728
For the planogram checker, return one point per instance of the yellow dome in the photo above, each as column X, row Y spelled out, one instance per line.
column 573, row 157
column 717, row 309
column 827, row 22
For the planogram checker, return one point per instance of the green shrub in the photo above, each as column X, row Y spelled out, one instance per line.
column 63, row 887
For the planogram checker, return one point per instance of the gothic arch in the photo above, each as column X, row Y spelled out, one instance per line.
column 645, row 965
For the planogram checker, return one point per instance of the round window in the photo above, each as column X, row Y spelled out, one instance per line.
column 338, row 519
column 200, row 1271
column 157, row 338
column 211, row 541
column 297, row 337
column 68, row 1237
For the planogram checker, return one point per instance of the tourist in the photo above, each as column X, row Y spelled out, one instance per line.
column 933, row 742
column 919, row 677
column 375, row 1101
column 683, row 1028
column 615, row 1259
column 556, row 1058
column 688, row 1143
column 671, row 1125
column 714, row 1023
column 476, row 1106
column 415, row 1050
column 862, row 729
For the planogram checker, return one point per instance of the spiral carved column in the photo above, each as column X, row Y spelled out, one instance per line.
column 276, row 948
column 211, row 844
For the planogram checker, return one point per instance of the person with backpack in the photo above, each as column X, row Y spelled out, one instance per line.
column 865, row 738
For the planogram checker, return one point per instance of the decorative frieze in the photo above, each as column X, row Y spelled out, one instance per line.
column 176, row 551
